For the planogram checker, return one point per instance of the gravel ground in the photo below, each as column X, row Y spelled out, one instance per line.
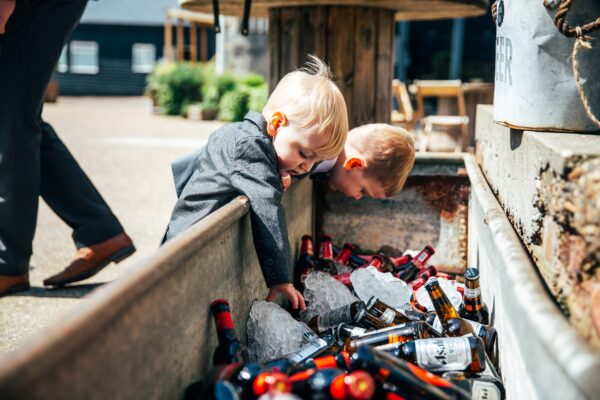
column 126, row 151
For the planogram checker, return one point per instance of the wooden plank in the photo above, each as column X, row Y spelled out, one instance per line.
column 340, row 49
column 274, row 46
column 365, row 36
column 384, row 66
column 313, row 37
column 204, row 44
column 168, row 49
column 290, row 38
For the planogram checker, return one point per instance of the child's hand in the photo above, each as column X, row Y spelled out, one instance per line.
column 286, row 181
column 289, row 291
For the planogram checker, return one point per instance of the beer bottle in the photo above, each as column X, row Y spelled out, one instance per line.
column 382, row 315
column 396, row 334
column 325, row 262
column 305, row 263
column 472, row 307
column 313, row 348
column 338, row 360
column 481, row 387
column 404, row 378
column 230, row 349
column 333, row 383
column 444, row 354
column 250, row 380
column 410, row 271
column 489, row 335
column 452, row 323
column 354, row 260
column 343, row 256
column 428, row 272
column 377, row 261
column 343, row 332
column 353, row 312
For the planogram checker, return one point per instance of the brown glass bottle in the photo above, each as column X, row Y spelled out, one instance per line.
column 250, row 380
column 380, row 315
column 397, row 334
column 452, row 323
column 489, row 335
column 481, row 387
column 230, row 349
column 343, row 332
column 305, row 263
column 325, row 262
column 445, row 354
column 333, row 383
column 472, row 307
column 409, row 271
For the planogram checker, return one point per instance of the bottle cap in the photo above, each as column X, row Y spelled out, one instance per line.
column 472, row 274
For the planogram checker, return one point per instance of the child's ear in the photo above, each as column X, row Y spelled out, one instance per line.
column 354, row 162
column 278, row 119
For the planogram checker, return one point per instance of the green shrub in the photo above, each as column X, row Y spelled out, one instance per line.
column 258, row 97
column 252, row 80
column 176, row 86
column 233, row 106
column 210, row 98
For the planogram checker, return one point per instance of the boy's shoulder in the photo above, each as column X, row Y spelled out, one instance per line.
column 252, row 127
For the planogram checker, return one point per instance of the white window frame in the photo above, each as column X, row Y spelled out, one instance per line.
column 136, row 65
column 63, row 62
column 80, row 45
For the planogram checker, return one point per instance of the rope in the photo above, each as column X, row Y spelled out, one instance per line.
column 582, row 41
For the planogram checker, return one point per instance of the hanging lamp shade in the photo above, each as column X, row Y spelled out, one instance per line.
column 405, row 10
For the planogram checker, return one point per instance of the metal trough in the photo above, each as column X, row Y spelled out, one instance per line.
column 148, row 334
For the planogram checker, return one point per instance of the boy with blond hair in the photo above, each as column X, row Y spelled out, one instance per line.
column 375, row 162
column 304, row 121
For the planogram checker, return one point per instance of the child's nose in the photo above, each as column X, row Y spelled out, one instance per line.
column 306, row 166
column 358, row 196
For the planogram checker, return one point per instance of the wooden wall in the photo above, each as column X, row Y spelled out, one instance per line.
column 356, row 42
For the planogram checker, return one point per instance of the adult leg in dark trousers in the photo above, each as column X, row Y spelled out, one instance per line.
column 34, row 161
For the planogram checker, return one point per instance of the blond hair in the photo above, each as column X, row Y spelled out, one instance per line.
column 389, row 153
column 310, row 99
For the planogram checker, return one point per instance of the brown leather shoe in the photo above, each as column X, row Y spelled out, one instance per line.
column 90, row 260
column 10, row 284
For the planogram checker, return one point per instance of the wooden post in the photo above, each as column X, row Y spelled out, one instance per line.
column 180, row 41
column 168, row 49
column 204, row 43
column 357, row 44
column 193, row 42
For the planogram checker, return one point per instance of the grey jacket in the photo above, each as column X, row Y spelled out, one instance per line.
column 239, row 158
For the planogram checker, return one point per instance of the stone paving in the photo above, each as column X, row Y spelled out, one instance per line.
column 126, row 151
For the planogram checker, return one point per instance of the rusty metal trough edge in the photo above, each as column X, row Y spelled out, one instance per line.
column 577, row 358
column 60, row 340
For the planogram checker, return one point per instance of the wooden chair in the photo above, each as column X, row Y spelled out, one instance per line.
column 405, row 115
column 441, row 90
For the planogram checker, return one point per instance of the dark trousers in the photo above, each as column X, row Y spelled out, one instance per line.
column 33, row 160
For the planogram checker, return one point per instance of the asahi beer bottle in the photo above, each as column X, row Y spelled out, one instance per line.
column 444, row 354
column 230, row 349
column 353, row 312
column 393, row 335
column 410, row 271
column 382, row 315
column 305, row 263
column 489, row 335
column 343, row 332
column 404, row 378
column 294, row 360
column 325, row 262
column 472, row 307
column 333, row 383
column 452, row 324
column 481, row 387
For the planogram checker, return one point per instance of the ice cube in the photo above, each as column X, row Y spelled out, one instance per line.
column 273, row 332
column 342, row 269
column 322, row 293
column 369, row 282
column 449, row 288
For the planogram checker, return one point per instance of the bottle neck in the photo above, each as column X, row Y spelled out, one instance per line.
column 344, row 254
column 326, row 251
column 307, row 246
column 420, row 261
column 224, row 324
column 376, row 261
column 442, row 305
column 472, row 295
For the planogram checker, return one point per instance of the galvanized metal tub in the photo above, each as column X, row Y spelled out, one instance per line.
column 149, row 333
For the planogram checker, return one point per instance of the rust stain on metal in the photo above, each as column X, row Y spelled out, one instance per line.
column 445, row 196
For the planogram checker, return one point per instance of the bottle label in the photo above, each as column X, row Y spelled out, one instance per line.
column 388, row 316
column 335, row 317
column 443, row 354
column 437, row 324
column 357, row 331
column 307, row 351
column 307, row 333
column 476, row 326
column 472, row 293
column 482, row 390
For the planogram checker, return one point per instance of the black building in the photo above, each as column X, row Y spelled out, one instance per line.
column 115, row 46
